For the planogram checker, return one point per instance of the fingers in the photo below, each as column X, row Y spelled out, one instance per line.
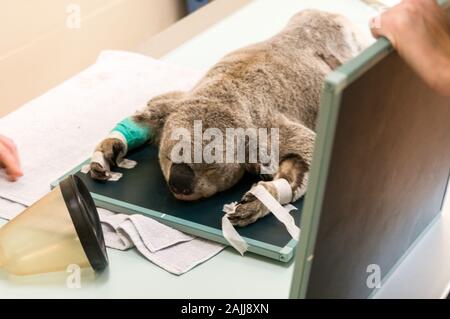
column 392, row 23
column 380, row 26
column 9, row 144
column 375, row 26
column 420, row 32
column 9, row 158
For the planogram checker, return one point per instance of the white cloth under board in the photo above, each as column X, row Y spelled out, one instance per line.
column 9, row 209
column 168, row 248
column 58, row 130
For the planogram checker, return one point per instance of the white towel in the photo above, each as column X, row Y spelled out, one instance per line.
column 168, row 248
column 59, row 130
column 153, row 234
column 9, row 209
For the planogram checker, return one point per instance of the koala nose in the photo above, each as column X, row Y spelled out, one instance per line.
column 181, row 179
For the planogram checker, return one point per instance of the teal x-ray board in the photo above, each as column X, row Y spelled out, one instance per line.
column 143, row 190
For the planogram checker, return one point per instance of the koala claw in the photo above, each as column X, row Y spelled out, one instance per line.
column 98, row 172
column 248, row 210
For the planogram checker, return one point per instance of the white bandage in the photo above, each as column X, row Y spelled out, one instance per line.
column 99, row 158
column 126, row 163
column 230, row 233
column 85, row 168
column 284, row 192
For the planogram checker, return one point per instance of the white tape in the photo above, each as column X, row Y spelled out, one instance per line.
column 126, row 163
column 229, row 208
column 281, row 213
column 230, row 233
column 113, row 176
column 99, row 158
column 284, row 190
column 290, row 207
column 232, row 236
column 86, row 168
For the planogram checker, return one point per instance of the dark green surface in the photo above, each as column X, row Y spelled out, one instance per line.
column 145, row 186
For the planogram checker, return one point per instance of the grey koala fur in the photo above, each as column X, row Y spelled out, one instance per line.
column 272, row 84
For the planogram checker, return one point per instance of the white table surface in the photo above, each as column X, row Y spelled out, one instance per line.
column 424, row 273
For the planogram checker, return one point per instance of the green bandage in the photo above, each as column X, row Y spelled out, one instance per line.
column 134, row 134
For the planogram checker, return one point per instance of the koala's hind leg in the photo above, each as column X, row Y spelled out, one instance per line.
column 296, row 148
column 250, row 209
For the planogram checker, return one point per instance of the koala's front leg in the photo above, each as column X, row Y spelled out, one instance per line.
column 249, row 209
column 130, row 133
column 111, row 149
column 295, row 161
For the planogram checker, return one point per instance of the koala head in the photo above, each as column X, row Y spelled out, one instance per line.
column 189, row 177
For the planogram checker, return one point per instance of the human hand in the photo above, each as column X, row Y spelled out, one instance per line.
column 9, row 158
column 420, row 32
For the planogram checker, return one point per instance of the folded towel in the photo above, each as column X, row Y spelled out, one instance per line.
column 155, row 236
column 170, row 249
column 59, row 130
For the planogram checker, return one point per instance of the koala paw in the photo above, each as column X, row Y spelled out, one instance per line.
column 249, row 209
column 112, row 149
column 98, row 172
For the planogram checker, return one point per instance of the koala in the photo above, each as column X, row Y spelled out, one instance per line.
column 276, row 83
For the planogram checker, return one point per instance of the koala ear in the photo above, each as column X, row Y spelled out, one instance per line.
column 157, row 111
